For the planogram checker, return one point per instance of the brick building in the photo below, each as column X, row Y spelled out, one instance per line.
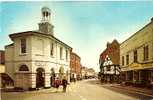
column 109, row 62
column 75, row 65
column 112, row 51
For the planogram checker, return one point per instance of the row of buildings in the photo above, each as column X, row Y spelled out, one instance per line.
column 77, row 71
column 133, row 58
column 87, row 73
column 36, row 58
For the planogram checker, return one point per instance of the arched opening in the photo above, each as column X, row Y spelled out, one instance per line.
column 52, row 78
column 61, row 72
column 40, row 77
column 23, row 68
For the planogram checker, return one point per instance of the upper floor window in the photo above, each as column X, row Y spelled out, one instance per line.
column 127, row 59
column 23, row 45
column 61, row 53
column 52, row 49
column 23, row 68
column 123, row 60
column 135, row 56
column 146, row 53
column 108, row 68
column 66, row 55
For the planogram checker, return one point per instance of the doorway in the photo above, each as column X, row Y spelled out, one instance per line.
column 40, row 78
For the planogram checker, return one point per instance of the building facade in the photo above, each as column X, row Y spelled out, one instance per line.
column 84, row 71
column 36, row 57
column 75, row 65
column 2, row 57
column 109, row 63
column 136, row 57
column 90, row 73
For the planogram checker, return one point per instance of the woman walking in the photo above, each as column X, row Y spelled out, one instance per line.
column 57, row 83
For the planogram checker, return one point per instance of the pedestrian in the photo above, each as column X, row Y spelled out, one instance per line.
column 64, row 83
column 75, row 77
column 57, row 83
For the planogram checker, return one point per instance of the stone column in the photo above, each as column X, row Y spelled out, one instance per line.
column 126, row 75
column 47, row 80
column 139, row 75
column 33, row 80
column 22, row 80
column 133, row 79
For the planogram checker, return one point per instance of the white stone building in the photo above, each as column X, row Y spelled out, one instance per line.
column 34, row 56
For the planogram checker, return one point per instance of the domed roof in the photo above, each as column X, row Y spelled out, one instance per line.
column 45, row 9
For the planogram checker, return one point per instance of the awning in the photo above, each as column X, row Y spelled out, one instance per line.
column 137, row 66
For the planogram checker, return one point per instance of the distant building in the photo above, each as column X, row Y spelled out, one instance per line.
column 35, row 58
column 91, row 73
column 109, row 63
column 5, row 79
column 75, row 65
column 136, row 57
column 87, row 72
column 84, row 71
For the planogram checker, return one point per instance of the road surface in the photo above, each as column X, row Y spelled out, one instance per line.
column 82, row 90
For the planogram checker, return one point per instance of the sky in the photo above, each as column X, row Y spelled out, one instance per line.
column 85, row 26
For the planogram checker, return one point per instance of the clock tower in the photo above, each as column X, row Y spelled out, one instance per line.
column 45, row 26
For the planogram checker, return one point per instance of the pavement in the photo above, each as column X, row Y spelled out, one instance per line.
column 145, row 91
column 81, row 90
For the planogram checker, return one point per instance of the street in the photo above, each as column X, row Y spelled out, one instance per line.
column 81, row 90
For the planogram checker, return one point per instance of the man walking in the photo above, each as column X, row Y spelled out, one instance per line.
column 64, row 83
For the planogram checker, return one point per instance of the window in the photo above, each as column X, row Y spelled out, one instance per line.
column 52, row 49
column 39, row 46
column 23, row 68
column 123, row 60
column 135, row 56
column 61, row 53
column 23, row 45
column 127, row 59
column 108, row 68
column 66, row 55
column 146, row 53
